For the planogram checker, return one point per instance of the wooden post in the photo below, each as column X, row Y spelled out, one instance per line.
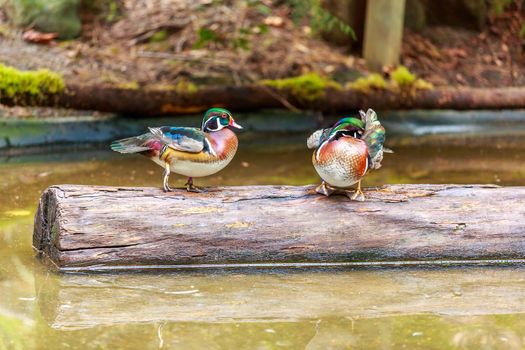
column 383, row 32
column 108, row 228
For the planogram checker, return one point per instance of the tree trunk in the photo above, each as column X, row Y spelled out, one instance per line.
column 107, row 228
column 146, row 102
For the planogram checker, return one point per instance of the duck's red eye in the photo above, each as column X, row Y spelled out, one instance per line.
column 223, row 115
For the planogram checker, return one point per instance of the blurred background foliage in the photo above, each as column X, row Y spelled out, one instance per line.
column 60, row 16
column 136, row 43
column 342, row 16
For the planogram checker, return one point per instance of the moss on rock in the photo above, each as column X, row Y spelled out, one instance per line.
column 36, row 84
column 307, row 87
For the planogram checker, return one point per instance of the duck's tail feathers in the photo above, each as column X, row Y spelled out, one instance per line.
column 130, row 145
column 316, row 138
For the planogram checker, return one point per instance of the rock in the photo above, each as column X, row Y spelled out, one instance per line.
column 49, row 16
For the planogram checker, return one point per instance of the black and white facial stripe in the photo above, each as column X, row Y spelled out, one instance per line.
column 354, row 132
column 213, row 124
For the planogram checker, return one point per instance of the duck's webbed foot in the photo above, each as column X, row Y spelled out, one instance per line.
column 324, row 189
column 191, row 188
column 356, row 195
column 167, row 188
column 165, row 185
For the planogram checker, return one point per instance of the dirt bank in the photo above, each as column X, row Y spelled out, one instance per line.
column 238, row 42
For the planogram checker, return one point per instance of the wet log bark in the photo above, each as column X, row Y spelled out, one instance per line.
column 106, row 228
column 150, row 102
column 283, row 296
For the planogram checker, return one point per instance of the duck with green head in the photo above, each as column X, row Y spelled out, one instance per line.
column 191, row 152
column 346, row 152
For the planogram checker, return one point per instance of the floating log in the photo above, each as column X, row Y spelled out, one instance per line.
column 151, row 102
column 284, row 296
column 108, row 228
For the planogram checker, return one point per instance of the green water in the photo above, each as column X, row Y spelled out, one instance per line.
column 461, row 308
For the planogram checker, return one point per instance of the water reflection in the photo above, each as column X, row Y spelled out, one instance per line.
column 475, row 308
column 71, row 301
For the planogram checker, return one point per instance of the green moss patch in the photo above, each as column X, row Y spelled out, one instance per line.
column 421, row 84
column 402, row 76
column 400, row 79
column 37, row 84
column 404, row 79
column 185, row 86
column 371, row 81
column 307, row 87
column 132, row 85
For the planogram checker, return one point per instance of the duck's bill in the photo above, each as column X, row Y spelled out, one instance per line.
column 234, row 124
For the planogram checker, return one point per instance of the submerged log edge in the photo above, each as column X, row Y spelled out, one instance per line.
column 154, row 102
column 111, row 228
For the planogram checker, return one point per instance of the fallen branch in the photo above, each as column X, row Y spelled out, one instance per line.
column 150, row 102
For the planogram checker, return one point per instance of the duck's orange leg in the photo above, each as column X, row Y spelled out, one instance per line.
column 357, row 195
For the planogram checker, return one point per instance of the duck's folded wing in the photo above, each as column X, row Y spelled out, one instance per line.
column 182, row 139
column 316, row 138
column 374, row 136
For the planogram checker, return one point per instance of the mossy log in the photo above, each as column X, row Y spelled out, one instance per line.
column 108, row 228
column 150, row 102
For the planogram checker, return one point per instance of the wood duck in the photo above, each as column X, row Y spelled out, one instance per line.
column 191, row 152
column 346, row 152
